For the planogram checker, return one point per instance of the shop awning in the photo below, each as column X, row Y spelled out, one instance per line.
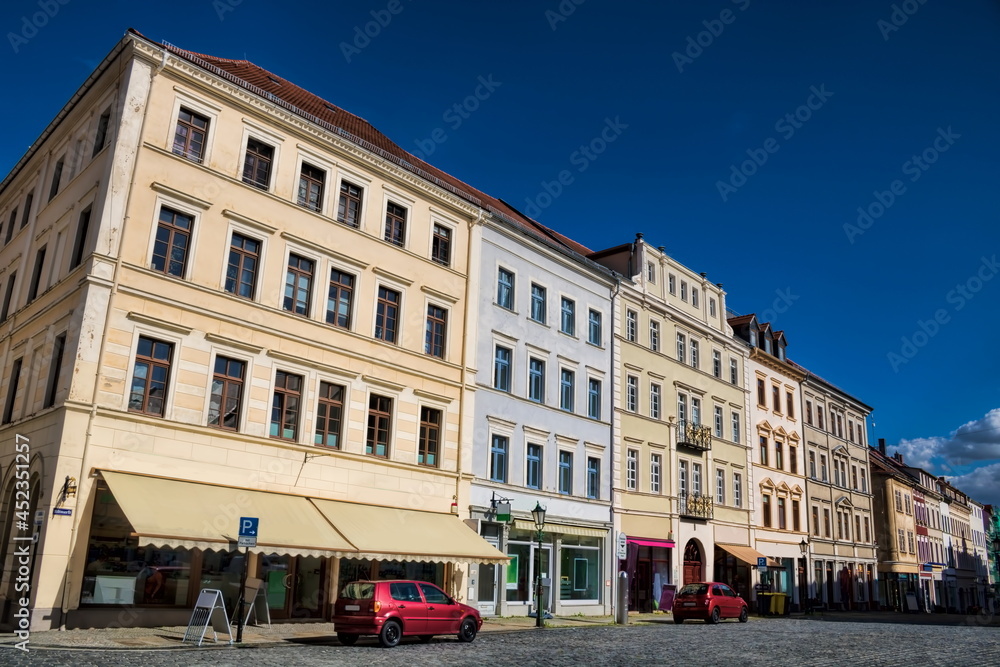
column 408, row 535
column 166, row 512
column 746, row 554
column 647, row 542
column 562, row 528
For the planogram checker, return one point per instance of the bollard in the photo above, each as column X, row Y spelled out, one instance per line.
column 621, row 611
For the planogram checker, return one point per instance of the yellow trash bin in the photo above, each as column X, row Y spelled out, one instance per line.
column 778, row 601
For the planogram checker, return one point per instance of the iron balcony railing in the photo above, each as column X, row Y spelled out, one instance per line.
column 693, row 435
column 694, row 505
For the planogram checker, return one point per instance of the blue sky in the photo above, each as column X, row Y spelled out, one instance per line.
column 833, row 165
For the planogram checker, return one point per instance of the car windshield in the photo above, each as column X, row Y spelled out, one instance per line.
column 694, row 589
column 358, row 590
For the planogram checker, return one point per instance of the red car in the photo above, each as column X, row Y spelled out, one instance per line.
column 709, row 601
column 392, row 610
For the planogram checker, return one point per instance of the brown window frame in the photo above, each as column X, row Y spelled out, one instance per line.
column 227, row 391
column 379, row 425
column 395, row 224
column 765, row 509
column 339, row 291
column 311, row 176
column 387, row 315
column 429, row 443
column 782, row 514
column 763, row 440
column 257, row 162
column 153, row 361
column 188, row 121
column 350, row 203
column 441, row 245
column 796, row 523
column 815, row 517
column 164, row 248
column 287, row 401
column 26, row 214
column 292, row 273
column 329, row 415
column 436, row 336
column 15, row 380
column 56, row 178
column 239, row 256
column 761, row 393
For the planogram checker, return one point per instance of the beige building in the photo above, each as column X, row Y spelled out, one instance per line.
column 225, row 297
column 681, row 466
column 895, row 530
column 841, row 569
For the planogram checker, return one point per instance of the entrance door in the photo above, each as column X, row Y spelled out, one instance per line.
column 487, row 598
column 692, row 563
column 643, row 586
column 546, row 572
column 294, row 585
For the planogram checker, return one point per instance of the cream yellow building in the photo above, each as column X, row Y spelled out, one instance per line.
column 225, row 298
column 681, row 458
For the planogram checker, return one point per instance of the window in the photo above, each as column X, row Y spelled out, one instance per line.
column 815, row 520
column 538, row 303
column 257, row 164
column 8, row 297
column 593, row 477
column 536, row 380
column 655, row 462
column 566, row 472
column 395, row 224
column 36, row 274
column 822, row 468
column 285, row 406
column 736, row 427
column 55, row 370
column 694, row 353
column 857, row 528
column 225, row 402
column 632, row 393
column 868, row 532
column 909, row 540
column 533, row 469
column 826, row 522
column 379, row 423
column 241, row 270
column 498, row 458
column 779, row 459
column 501, row 368
column 694, row 297
column 340, row 299
column 789, row 405
column 681, row 348
column 796, row 524
column 430, row 437
column 594, row 336
column 54, row 188
column 765, row 510
column 594, row 399
column 15, row 379
column 718, row 421
column 654, row 335
column 720, row 486
column 737, row 489
column 734, row 369
column 26, row 214
column 672, row 283
column 854, row 477
column 631, row 325
column 716, row 363
column 682, row 478
column 695, row 411
column 864, row 481
column 840, row 525
column 711, row 307
column 899, row 500
column 654, row 401
column 681, row 407
column 329, row 415
column 761, row 396
column 696, row 479
column 505, row 289
column 387, row 315
column 850, row 430
column 763, row 450
column 566, row 381
column 631, row 469
column 311, row 180
column 101, row 138
column 809, row 412
column 189, row 136
column 149, row 376
column 819, row 417
column 776, row 396
column 441, row 245
column 298, row 285
column 11, row 226
column 812, row 465
column 651, row 272
column 173, row 238
column 435, row 338
column 684, row 291
column 568, row 317
column 349, row 206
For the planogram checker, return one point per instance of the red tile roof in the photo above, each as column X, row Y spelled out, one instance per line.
column 273, row 87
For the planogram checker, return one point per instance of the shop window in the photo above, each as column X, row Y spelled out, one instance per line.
column 579, row 568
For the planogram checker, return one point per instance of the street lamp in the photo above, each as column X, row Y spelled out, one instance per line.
column 538, row 514
column 804, row 548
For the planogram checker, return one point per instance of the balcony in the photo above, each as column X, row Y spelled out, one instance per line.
column 694, row 505
column 695, row 436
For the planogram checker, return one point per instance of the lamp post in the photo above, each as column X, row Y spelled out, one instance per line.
column 804, row 548
column 538, row 514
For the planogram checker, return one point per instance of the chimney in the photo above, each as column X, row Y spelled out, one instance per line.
column 881, row 446
column 898, row 457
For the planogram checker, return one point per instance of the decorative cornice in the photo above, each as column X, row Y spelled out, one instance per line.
column 159, row 324
column 191, row 200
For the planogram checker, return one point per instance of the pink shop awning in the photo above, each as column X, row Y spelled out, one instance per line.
column 646, row 542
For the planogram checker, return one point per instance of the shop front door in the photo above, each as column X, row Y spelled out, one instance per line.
column 487, row 588
column 295, row 585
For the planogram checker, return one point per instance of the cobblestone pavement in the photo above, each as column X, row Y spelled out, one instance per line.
column 771, row 642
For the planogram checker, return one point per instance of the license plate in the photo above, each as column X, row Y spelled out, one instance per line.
column 689, row 604
column 352, row 607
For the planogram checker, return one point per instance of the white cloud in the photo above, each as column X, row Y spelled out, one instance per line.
column 982, row 484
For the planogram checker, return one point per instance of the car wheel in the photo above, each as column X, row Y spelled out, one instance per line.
column 424, row 639
column 467, row 631
column 744, row 615
column 678, row 621
column 716, row 615
column 390, row 635
column 347, row 639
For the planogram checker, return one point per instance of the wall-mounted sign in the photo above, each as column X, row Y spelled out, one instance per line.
column 62, row 511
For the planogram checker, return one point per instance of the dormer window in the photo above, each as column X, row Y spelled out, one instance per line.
column 767, row 344
column 781, row 352
column 753, row 337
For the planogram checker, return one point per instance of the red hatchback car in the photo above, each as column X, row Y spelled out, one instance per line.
column 709, row 601
column 392, row 610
